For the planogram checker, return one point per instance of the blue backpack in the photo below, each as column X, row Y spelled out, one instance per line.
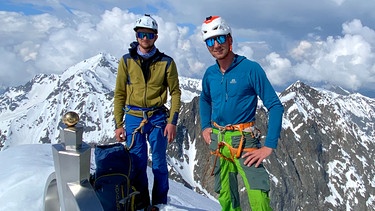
column 111, row 180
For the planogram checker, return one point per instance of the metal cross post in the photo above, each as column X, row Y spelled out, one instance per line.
column 69, row 188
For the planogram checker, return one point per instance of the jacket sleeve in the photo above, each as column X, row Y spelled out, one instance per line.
column 175, row 92
column 120, row 94
column 205, row 106
column 272, row 102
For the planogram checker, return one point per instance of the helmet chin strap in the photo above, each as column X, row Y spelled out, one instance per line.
column 230, row 39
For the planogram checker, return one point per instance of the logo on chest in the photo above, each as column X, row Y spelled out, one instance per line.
column 233, row 81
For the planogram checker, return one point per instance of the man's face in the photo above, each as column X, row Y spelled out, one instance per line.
column 146, row 38
column 217, row 50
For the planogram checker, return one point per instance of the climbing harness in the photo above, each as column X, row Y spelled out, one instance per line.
column 139, row 128
column 234, row 152
column 146, row 115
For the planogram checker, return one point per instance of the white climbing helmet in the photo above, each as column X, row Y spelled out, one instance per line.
column 146, row 21
column 214, row 26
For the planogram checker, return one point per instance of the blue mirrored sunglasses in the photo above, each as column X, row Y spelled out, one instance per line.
column 219, row 39
column 148, row 35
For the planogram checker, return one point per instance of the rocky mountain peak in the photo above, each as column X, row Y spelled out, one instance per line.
column 324, row 161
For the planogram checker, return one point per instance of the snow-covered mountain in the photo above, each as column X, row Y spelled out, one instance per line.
column 31, row 113
column 327, row 149
column 324, row 161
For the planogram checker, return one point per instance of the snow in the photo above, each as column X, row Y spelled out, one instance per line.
column 31, row 113
column 84, row 88
column 25, row 169
column 289, row 96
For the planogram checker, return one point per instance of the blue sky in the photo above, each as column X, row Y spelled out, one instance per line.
column 322, row 42
column 26, row 8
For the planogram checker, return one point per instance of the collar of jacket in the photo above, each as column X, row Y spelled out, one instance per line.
column 133, row 52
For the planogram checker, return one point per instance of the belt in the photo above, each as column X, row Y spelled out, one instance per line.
column 246, row 127
column 137, row 108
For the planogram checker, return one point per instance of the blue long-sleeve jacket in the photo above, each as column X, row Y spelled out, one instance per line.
column 232, row 97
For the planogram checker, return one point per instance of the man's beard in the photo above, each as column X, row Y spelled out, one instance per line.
column 147, row 47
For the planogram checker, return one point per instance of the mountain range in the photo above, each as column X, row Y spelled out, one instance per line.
column 324, row 160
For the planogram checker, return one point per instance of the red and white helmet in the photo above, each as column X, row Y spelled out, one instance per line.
column 214, row 26
column 146, row 21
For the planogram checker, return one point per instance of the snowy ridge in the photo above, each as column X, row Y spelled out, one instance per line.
column 46, row 98
column 35, row 109
column 347, row 127
column 191, row 88
column 98, row 71
column 325, row 156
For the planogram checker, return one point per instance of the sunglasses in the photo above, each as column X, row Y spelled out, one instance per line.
column 219, row 39
column 148, row 35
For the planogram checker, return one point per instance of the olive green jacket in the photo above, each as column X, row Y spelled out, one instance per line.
column 133, row 89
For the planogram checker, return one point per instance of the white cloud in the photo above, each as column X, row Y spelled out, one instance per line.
column 51, row 45
column 346, row 60
column 302, row 48
column 244, row 49
column 278, row 69
column 355, row 27
column 289, row 48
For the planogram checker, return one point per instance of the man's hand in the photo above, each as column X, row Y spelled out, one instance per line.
column 170, row 132
column 207, row 135
column 120, row 134
column 257, row 156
